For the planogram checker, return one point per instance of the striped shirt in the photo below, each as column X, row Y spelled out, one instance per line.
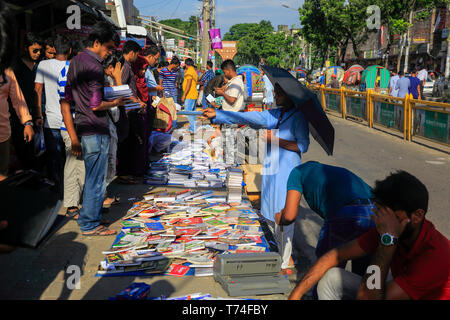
column 207, row 77
column 62, row 80
column 168, row 81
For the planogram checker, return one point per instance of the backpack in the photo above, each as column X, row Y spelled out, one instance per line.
column 166, row 115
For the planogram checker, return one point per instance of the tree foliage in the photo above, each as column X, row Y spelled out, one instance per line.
column 190, row 27
column 259, row 40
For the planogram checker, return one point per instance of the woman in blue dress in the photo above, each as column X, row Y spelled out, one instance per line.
column 293, row 140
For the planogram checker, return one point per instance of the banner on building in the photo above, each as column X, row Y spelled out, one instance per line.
column 216, row 39
column 181, row 43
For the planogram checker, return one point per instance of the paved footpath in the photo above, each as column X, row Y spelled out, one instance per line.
column 371, row 154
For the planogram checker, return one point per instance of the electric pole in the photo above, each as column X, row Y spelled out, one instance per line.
column 213, row 26
column 205, row 36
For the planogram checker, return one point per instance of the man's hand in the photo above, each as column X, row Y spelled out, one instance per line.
column 209, row 113
column 39, row 122
column 28, row 133
column 160, row 88
column 387, row 222
column 117, row 73
column 120, row 101
column 183, row 98
column 76, row 148
column 219, row 91
column 278, row 216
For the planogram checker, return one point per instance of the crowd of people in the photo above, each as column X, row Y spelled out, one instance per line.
column 56, row 92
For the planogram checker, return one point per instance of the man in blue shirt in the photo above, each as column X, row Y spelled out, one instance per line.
column 167, row 78
column 403, row 85
column 415, row 86
column 204, row 80
column 337, row 195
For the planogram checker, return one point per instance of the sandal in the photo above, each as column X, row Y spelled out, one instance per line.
column 126, row 180
column 114, row 202
column 73, row 214
column 100, row 231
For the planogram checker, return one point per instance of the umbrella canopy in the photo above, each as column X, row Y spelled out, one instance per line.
column 252, row 78
column 353, row 74
column 304, row 99
column 374, row 73
column 338, row 71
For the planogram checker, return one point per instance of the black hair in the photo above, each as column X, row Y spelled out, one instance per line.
column 112, row 59
column 401, row 73
column 8, row 40
column 209, row 64
column 401, row 191
column 62, row 44
column 77, row 47
column 50, row 42
column 151, row 50
column 175, row 61
column 30, row 39
column 131, row 45
column 189, row 62
column 164, row 64
column 228, row 64
column 103, row 32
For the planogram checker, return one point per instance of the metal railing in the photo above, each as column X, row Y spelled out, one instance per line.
column 412, row 117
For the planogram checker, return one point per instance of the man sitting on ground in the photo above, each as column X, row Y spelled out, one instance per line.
column 338, row 196
column 403, row 241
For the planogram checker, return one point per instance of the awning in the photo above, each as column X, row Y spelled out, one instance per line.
column 137, row 30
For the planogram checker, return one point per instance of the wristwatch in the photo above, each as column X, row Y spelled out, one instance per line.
column 388, row 239
column 28, row 123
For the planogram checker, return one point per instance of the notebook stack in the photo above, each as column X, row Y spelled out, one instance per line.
column 234, row 185
column 124, row 91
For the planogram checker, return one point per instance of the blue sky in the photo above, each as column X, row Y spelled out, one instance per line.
column 228, row 12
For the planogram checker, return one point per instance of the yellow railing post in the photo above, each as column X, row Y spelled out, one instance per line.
column 343, row 103
column 410, row 122
column 322, row 91
column 405, row 116
column 369, row 108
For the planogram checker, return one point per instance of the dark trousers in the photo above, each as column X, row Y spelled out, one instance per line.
column 132, row 153
column 4, row 157
column 55, row 158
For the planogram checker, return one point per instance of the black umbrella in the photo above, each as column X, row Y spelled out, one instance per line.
column 303, row 98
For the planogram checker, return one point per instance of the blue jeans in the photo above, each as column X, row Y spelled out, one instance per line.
column 56, row 157
column 189, row 105
column 95, row 150
column 347, row 224
column 205, row 103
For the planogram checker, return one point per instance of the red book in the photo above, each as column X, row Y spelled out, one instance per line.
column 177, row 270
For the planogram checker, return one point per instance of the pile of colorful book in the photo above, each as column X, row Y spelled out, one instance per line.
column 181, row 233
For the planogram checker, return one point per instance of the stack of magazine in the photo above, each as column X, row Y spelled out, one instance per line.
column 124, row 91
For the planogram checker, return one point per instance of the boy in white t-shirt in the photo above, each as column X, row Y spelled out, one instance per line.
column 46, row 79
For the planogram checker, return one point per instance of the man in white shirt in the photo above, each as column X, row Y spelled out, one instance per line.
column 46, row 79
column 392, row 84
column 422, row 75
column 233, row 91
column 233, row 94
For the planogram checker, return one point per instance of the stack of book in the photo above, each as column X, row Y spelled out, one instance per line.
column 124, row 91
column 180, row 233
column 234, row 185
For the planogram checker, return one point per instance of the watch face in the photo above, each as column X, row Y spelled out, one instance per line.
column 386, row 239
